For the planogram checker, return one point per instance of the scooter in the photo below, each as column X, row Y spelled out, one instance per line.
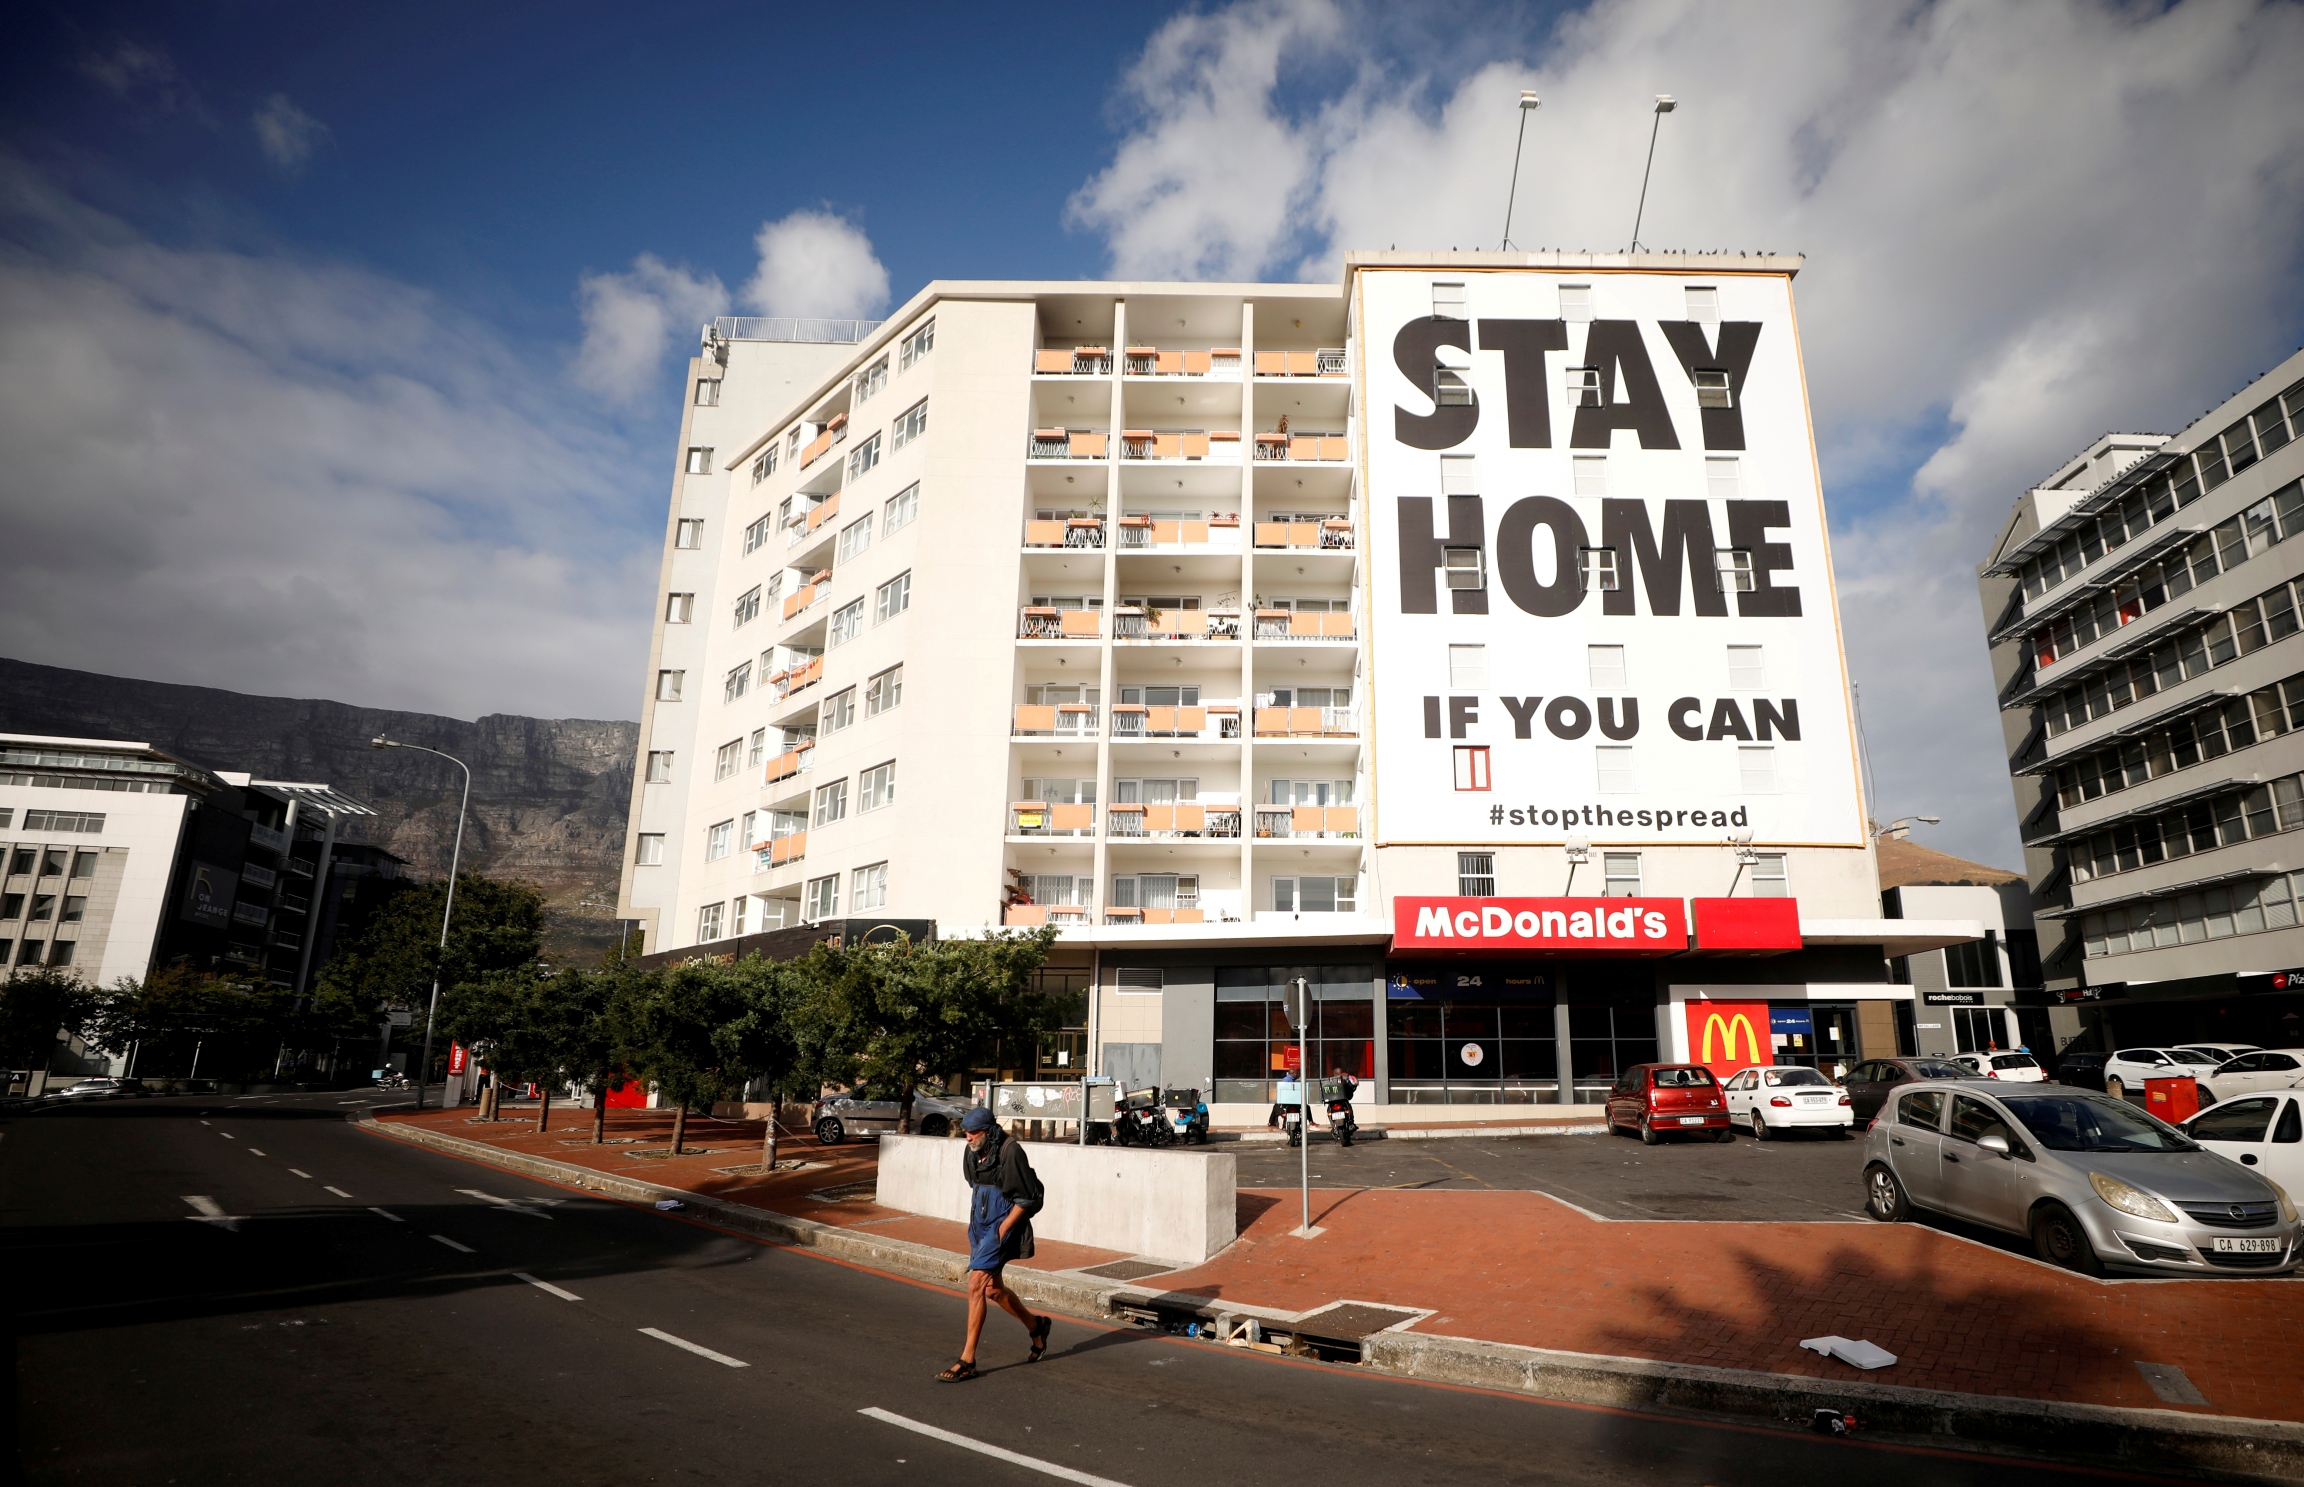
column 1140, row 1121
column 1188, row 1116
column 1292, row 1121
column 1341, row 1122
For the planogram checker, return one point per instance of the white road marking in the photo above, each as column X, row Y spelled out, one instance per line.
column 543, row 1285
column 379, row 1212
column 209, row 1211
column 452, row 1244
column 227, row 1135
column 509, row 1205
column 1030, row 1463
column 252, row 1151
column 300, row 1172
column 699, row 1351
column 207, row 1122
column 339, row 1192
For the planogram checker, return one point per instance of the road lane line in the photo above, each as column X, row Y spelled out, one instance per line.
column 452, row 1244
column 208, row 1123
column 698, row 1350
column 300, row 1172
column 543, row 1285
column 1030, row 1463
column 227, row 1135
column 208, row 1211
column 339, row 1192
column 379, row 1212
column 509, row 1205
column 252, row 1151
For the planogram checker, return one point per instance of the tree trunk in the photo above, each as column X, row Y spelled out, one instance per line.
column 904, row 1113
column 679, row 1127
column 544, row 1109
column 600, row 1114
column 768, row 1140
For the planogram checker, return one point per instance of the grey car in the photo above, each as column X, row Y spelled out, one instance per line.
column 2091, row 1179
column 872, row 1112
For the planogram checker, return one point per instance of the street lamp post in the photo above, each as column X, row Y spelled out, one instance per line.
column 1901, row 827
column 1665, row 103
column 1529, row 103
column 455, row 861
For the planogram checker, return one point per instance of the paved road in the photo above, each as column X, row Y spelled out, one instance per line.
column 212, row 1291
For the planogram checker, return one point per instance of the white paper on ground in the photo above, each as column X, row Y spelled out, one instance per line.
column 1848, row 1350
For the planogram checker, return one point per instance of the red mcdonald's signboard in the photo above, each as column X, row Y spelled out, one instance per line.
column 455, row 1058
column 1727, row 1036
column 1516, row 926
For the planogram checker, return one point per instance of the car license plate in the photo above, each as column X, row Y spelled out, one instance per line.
column 1691, row 1120
column 1815, row 1099
column 2247, row 1246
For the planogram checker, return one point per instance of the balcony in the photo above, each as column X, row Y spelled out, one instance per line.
column 1155, row 916
column 835, row 432
column 1068, row 444
column 792, row 762
column 1307, row 821
column 1217, row 446
column 803, row 598
column 1292, row 624
column 798, row 679
column 822, row 512
column 1329, row 361
column 1080, row 361
column 267, row 838
column 1182, row 820
column 1303, row 447
column 1040, row 818
column 1032, row 916
column 1038, row 623
column 1136, row 723
column 1306, row 722
column 778, row 851
column 1056, row 720
column 1071, row 531
column 1142, row 533
column 1326, row 533
column 1132, row 623
column 1151, row 361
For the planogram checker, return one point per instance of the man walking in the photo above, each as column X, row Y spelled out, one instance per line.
column 1004, row 1193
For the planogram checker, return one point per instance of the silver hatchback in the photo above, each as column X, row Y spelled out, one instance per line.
column 2091, row 1179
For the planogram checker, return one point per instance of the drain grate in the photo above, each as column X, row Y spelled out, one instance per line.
column 1127, row 1269
column 1353, row 1320
column 847, row 1192
column 664, row 1153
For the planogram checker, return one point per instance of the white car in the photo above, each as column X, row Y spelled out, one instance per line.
column 2221, row 1052
column 2016, row 1068
column 1773, row 1100
column 2263, row 1132
column 2265, row 1069
column 2127, row 1069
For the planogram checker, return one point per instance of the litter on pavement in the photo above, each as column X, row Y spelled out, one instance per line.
column 1848, row 1350
column 669, row 1205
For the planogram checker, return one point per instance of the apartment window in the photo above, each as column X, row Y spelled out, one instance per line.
column 739, row 681
column 1450, row 390
column 717, row 840
column 1768, row 876
column 75, row 908
column 650, row 849
column 668, row 685
column 1703, row 302
column 823, row 898
column 1447, row 301
column 679, row 609
column 1605, row 664
column 916, row 345
column 1620, row 874
column 11, row 905
column 689, row 534
column 60, row 953
column 1467, row 667
column 707, row 392
column 757, row 533
column 1591, row 471
column 839, row 710
column 1756, row 770
column 1712, row 388
column 84, row 864
column 1316, row 895
column 831, row 803
column 1464, row 567
column 911, row 424
column 1575, row 302
column 871, row 379
column 759, row 750
column 1747, row 668
column 1471, row 766
column 1735, row 565
column 1723, row 479
column 884, row 691
column 727, row 759
column 700, row 461
column 748, row 606
column 28, row 954
column 44, row 907
column 1615, row 769
column 901, row 508
column 863, row 457
column 1476, row 874
column 1597, row 566
column 868, row 887
column 792, row 444
column 855, row 537
column 895, row 596
column 1459, row 475
column 764, row 464
column 847, row 622
column 708, row 922
column 1583, row 387
column 659, row 766
column 876, row 787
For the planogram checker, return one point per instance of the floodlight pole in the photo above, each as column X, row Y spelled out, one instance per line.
column 1665, row 103
column 455, row 860
column 1529, row 103
column 1303, row 1107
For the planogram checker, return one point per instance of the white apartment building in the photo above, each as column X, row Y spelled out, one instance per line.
column 1460, row 636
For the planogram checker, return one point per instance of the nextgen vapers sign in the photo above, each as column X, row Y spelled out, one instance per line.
column 1602, row 599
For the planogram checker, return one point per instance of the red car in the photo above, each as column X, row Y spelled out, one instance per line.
column 1661, row 1099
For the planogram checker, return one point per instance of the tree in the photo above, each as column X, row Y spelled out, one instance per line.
column 37, row 1005
column 768, row 1038
column 667, row 1025
column 497, row 926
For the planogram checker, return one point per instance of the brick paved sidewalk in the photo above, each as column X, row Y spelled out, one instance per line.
column 1519, row 1267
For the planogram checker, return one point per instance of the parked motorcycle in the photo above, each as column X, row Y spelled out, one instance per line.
column 1340, row 1120
column 1188, row 1116
column 1140, row 1121
column 1292, row 1121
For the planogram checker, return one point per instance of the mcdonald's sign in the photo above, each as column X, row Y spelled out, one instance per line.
column 1727, row 1036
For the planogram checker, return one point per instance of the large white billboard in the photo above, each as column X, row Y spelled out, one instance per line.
column 1601, row 592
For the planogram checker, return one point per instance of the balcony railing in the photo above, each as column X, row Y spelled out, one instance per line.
column 1178, row 915
column 1219, row 446
column 1072, row 531
column 804, row 598
column 1043, row 818
column 798, row 679
column 1294, row 624
column 1133, row 722
column 1080, row 361
column 1332, row 533
column 781, row 850
column 1306, row 722
column 823, row 511
column 1068, row 444
column 834, row 432
column 1031, row 916
column 1328, row 361
column 1307, row 821
column 1037, row 623
column 1152, row 531
column 1151, row 361
column 792, row 762
column 1303, row 447
column 1056, row 720
column 1173, row 821
column 269, row 839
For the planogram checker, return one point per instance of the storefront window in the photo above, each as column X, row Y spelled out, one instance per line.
column 1478, row 1037
column 1254, row 1041
column 1814, row 1035
column 1604, row 1041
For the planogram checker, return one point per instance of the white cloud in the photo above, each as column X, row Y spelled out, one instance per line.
column 286, row 134
column 2025, row 225
column 298, row 478
column 813, row 263
column 632, row 319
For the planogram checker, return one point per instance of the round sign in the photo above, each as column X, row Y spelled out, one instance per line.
column 1471, row 1054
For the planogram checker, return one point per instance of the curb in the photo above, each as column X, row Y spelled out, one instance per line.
column 2259, row 1450
column 1428, row 1133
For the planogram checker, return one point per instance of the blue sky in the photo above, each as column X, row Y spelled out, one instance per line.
column 368, row 316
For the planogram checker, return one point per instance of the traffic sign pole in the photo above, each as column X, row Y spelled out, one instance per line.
column 1300, row 1013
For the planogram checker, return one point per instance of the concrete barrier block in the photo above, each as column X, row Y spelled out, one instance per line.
column 1176, row 1205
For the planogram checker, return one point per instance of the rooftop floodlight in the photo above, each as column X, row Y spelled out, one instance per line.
column 1665, row 103
column 1529, row 103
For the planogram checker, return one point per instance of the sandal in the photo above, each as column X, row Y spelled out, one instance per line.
column 1040, row 1331
column 959, row 1372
